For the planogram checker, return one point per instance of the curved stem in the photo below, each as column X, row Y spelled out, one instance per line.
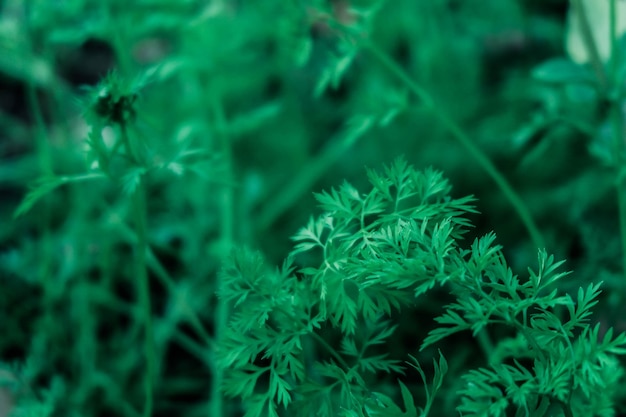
column 227, row 233
column 455, row 130
column 301, row 183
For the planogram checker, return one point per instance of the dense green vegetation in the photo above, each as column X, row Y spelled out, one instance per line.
column 312, row 208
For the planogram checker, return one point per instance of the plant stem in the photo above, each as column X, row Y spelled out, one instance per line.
column 306, row 177
column 168, row 282
column 615, row 54
column 196, row 349
column 618, row 151
column 320, row 340
column 143, row 286
column 485, row 343
column 531, row 341
column 140, row 213
column 455, row 130
column 163, row 276
column 617, row 119
column 227, row 238
column 331, row 350
column 45, row 162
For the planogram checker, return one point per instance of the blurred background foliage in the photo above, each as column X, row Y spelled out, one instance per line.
column 284, row 105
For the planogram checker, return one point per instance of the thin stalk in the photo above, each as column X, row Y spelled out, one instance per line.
column 130, row 151
column 45, row 162
column 119, row 38
column 45, row 167
column 160, row 273
column 193, row 347
column 227, row 232
column 617, row 119
column 455, row 130
column 572, row 368
column 44, row 159
column 301, row 183
column 331, row 350
column 86, row 345
column 615, row 55
column 485, row 343
column 618, row 151
column 143, row 286
column 41, row 137
column 227, row 198
column 124, row 63
column 168, row 282
column 320, row 340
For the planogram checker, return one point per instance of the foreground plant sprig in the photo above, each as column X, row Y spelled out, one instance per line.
column 373, row 252
column 369, row 253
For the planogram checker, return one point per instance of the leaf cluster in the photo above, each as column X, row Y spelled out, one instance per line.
column 374, row 252
column 123, row 156
column 558, row 357
column 368, row 254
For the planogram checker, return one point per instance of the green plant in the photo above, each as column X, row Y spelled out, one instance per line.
column 127, row 159
column 206, row 126
column 377, row 251
column 584, row 92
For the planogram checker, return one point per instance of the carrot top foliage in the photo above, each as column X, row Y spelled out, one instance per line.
column 374, row 252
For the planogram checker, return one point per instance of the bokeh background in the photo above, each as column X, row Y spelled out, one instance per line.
column 272, row 95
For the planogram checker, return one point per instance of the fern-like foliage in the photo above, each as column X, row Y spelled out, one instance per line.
column 569, row 363
column 375, row 251
column 367, row 254
column 388, row 245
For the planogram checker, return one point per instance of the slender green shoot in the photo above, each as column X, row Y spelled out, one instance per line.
column 143, row 287
column 617, row 118
column 457, row 132
column 227, row 240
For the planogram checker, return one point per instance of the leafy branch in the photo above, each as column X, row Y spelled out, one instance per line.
column 570, row 361
column 373, row 252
